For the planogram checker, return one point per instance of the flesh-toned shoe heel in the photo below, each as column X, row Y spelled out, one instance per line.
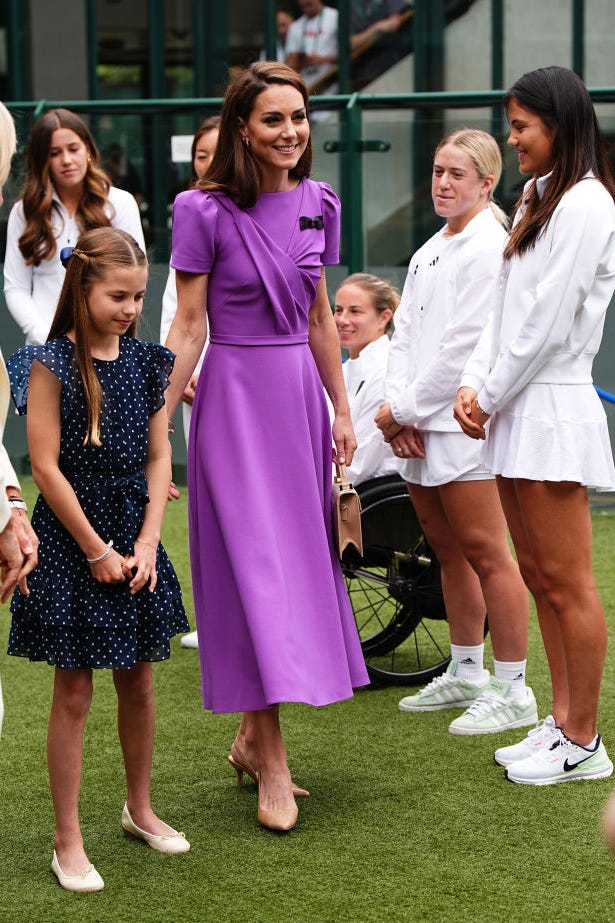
column 241, row 765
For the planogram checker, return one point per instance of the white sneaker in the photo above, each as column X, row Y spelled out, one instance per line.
column 496, row 710
column 190, row 640
column 543, row 735
column 563, row 761
column 446, row 691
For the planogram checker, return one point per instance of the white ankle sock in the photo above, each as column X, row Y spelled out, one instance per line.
column 513, row 671
column 469, row 661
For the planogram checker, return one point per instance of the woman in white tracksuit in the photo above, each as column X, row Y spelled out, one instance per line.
column 445, row 305
column 364, row 308
column 548, row 440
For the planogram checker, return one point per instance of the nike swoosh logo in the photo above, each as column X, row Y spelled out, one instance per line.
column 568, row 766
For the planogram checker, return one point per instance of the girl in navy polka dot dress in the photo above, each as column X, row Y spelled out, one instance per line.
column 105, row 594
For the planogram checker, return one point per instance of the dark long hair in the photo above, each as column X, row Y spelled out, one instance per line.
column 233, row 169
column 94, row 210
column 97, row 252
column 560, row 98
column 211, row 123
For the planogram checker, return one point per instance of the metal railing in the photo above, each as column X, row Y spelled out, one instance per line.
column 350, row 143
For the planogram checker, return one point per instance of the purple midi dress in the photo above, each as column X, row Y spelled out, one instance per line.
column 272, row 612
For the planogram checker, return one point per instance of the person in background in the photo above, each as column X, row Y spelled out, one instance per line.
column 311, row 45
column 283, row 21
column 364, row 308
column 446, row 302
column 65, row 193
column 375, row 42
column 203, row 148
column 250, row 244
column 18, row 541
column 548, row 439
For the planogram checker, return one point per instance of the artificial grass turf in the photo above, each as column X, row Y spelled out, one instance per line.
column 405, row 822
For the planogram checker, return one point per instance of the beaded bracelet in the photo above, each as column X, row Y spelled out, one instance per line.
column 103, row 556
column 142, row 541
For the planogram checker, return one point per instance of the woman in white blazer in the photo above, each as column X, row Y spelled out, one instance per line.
column 65, row 193
column 548, row 439
column 446, row 301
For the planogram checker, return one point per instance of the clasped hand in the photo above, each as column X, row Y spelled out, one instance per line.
column 137, row 568
column 469, row 415
column 405, row 440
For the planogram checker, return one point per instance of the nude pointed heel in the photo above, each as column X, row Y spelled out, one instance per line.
column 241, row 765
column 281, row 821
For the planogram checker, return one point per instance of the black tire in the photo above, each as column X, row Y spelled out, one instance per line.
column 395, row 590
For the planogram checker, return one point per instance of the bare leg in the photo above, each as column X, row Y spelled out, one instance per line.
column 72, row 696
column 135, row 721
column 482, row 539
column 465, row 603
column 558, row 525
column 547, row 619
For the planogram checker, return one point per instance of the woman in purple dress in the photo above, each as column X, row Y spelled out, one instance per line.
column 249, row 246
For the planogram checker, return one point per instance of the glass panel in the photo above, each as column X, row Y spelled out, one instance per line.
column 549, row 19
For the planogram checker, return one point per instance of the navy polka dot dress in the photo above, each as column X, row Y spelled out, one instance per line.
column 69, row 619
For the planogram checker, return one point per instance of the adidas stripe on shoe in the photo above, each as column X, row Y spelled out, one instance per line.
column 496, row 710
column 446, row 691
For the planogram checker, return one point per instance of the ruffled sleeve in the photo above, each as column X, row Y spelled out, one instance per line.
column 160, row 365
column 55, row 356
column 331, row 210
column 195, row 232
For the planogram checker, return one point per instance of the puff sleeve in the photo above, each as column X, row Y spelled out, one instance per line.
column 331, row 212
column 195, row 232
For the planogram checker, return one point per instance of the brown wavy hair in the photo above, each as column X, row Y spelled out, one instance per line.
column 233, row 169
column 97, row 252
column 38, row 242
column 560, row 99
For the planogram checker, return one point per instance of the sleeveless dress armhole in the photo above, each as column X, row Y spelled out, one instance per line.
column 161, row 361
column 55, row 357
column 331, row 209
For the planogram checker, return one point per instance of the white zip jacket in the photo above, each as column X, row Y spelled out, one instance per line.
column 446, row 300
column 364, row 380
column 32, row 292
column 551, row 301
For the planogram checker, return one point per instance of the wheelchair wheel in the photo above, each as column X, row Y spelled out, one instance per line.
column 395, row 590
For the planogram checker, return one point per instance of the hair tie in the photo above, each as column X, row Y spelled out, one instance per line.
column 67, row 252
column 65, row 255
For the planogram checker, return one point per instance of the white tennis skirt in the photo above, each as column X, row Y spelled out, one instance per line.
column 552, row 432
column 449, row 456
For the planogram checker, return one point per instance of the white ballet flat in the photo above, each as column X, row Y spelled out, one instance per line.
column 88, row 880
column 172, row 843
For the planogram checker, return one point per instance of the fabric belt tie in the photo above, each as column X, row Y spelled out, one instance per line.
column 222, row 339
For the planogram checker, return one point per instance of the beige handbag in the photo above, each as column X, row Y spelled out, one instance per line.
column 346, row 515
